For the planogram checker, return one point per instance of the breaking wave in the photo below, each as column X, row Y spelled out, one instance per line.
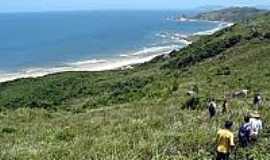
column 123, row 60
column 221, row 26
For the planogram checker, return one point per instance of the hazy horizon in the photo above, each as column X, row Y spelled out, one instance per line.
column 85, row 5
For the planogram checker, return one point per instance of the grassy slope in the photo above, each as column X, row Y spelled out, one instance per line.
column 138, row 114
column 230, row 14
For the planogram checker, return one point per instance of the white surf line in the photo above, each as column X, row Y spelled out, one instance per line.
column 138, row 57
column 107, row 65
column 221, row 26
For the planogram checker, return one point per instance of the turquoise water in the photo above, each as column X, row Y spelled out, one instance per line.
column 62, row 39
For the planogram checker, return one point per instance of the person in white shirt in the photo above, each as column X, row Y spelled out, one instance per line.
column 212, row 108
column 256, row 125
column 258, row 101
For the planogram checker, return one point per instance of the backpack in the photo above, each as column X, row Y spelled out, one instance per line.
column 245, row 129
column 212, row 109
column 257, row 99
column 244, row 134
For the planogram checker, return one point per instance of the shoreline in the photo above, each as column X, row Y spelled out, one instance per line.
column 90, row 65
column 123, row 61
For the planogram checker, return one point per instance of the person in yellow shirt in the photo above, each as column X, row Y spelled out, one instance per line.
column 225, row 141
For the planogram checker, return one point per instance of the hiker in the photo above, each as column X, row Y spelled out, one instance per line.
column 212, row 108
column 192, row 103
column 244, row 132
column 225, row 141
column 256, row 125
column 225, row 106
column 258, row 101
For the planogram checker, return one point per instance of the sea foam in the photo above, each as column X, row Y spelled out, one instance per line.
column 221, row 26
column 141, row 56
column 121, row 61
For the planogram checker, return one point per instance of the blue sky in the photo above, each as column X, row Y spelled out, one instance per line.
column 58, row 5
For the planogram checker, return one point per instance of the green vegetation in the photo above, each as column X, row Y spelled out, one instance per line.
column 232, row 14
column 139, row 114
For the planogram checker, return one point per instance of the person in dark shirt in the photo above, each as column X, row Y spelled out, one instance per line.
column 244, row 132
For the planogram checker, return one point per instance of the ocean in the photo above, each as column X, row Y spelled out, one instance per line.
column 36, row 44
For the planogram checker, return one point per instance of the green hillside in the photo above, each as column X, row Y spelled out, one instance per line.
column 138, row 113
column 232, row 14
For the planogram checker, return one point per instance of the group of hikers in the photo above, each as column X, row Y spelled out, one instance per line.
column 248, row 132
column 213, row 108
